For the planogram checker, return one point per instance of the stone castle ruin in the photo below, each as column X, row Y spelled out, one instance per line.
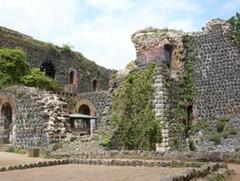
column 196, row 77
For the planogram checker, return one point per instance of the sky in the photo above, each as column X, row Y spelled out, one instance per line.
column 102, row 29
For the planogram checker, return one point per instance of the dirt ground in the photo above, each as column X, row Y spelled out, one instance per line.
column 86, row 172
column 89, row 173
column 236, row 168
column 9, row 159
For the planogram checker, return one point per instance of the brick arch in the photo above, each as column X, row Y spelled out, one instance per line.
column 88, row 103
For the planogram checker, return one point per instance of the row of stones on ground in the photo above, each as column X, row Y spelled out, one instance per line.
column 203, row 156
column 202, row 171
column 206, row 171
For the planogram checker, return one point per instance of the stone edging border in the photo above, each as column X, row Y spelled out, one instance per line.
column 196, row 169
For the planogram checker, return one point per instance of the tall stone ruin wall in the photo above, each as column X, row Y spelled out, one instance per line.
column 37, row 118
column 216, row 72
column 64, row 61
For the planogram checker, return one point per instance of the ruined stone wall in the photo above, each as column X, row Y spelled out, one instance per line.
column 37, row 119
column 64, row 61
column 95, row 100
column 216, row 73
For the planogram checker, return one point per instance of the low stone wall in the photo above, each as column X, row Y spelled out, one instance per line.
column 196, row 171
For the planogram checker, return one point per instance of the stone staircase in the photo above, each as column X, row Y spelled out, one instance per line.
column 4, row 147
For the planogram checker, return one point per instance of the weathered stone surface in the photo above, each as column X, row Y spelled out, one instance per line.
column 35, row 125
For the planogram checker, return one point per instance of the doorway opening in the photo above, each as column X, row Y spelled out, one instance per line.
column 6, row 116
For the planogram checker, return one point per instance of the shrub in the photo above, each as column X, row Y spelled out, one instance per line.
column 67, row 47
column 221, row 124
column 215, row 137
column 192, row 145
column 231, row 130
column 36, row 78
column 13, row 65
column 202, row 124
column 107, row 143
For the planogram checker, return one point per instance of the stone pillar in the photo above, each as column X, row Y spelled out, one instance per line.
column 92, row 126
column 161, row 105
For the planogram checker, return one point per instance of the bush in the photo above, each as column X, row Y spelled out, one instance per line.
column 36, row 78
column 107, row 143
column 221, row 124
column 67, row 47
column 13, row 65
column 192, row 145
column 202, row 124
column 19, row 150
column 230, row 130
column 215, row 137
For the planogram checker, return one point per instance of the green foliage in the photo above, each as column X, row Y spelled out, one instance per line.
column 19, row 150
column 57, row 146
column 221, row 124
column 15, row 69
column 232, row 130
column 107, row 143
column 192, row 145
column 202, row 124
column 235, row 22
column 13, row 65
column 215, row 137
column 36, row 78
column 67, row 47
column 183, row 96
column 132, row 111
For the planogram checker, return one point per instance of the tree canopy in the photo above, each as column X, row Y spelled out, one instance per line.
column 235, row 22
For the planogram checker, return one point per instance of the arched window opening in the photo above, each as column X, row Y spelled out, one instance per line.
column 72, row 74
column 168, row 49
column 6, row 116
column 95, row 85
column 48, row 68
column 84, row 109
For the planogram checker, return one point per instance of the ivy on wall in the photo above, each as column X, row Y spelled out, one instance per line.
column 181, row 94
column 132, row 111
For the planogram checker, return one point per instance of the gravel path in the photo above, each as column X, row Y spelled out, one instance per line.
column 10, row 159
column 89, row 173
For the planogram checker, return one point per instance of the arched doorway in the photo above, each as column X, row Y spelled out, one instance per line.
column 84, row 109
column 6, row 117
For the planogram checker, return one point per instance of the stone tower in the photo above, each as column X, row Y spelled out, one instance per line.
column 163, row 47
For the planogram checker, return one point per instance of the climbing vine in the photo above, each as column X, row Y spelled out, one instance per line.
column 181, row 94
column 132, row 111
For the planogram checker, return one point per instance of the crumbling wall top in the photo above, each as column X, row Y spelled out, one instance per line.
column 217, row 25
column 151, row 38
